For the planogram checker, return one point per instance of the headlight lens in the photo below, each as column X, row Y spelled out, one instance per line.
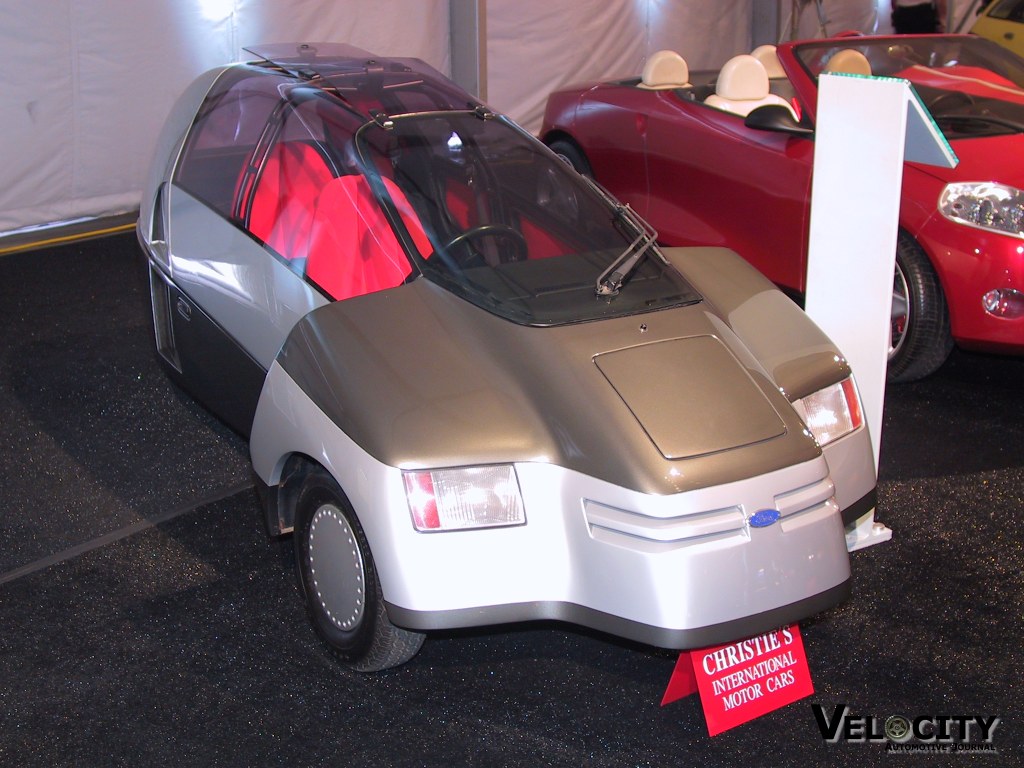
column 833, row 411
column 466, row 498
column 986, row 205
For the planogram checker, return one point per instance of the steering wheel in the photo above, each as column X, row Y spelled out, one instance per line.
column 502, row 231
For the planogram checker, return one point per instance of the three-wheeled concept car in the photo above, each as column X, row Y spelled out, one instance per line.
column 476, row 390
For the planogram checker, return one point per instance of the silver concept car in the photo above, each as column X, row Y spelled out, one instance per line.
column 476, row 390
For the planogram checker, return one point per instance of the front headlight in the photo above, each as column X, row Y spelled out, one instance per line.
column 832, row 412
column 986, row 205
column 465, row 498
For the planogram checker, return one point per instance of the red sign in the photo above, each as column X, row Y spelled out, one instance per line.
column 743, row 680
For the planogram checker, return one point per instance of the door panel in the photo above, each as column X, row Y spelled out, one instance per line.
column 254, row 297
column 714, row 181
column 613, row 123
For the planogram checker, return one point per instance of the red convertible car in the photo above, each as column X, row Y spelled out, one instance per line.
column 725, row 158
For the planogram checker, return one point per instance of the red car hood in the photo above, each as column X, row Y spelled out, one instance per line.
column 993, row 158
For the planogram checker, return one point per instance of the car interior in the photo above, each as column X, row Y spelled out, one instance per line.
column 743, row 86
column 740, row 87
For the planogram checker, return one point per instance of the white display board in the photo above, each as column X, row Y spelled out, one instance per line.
column 866, row 128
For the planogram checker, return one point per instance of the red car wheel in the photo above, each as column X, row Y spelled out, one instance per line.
column 920, row 341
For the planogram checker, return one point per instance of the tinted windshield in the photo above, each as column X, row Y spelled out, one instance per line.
column 972, row 86
column 358, row 200
column 507, row 225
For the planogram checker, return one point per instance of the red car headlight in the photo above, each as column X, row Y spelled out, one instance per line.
column 465, row 498
column 986, row 205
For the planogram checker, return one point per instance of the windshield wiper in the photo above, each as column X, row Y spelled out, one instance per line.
column 611, row 280
column 987, row 119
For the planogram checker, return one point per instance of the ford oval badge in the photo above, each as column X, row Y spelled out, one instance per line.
column 764, row 518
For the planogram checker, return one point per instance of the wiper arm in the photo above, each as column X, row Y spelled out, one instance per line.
column 610, row 281
column 990, row 120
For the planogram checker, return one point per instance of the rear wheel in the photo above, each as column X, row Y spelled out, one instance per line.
column 573, row 155
column 339, row 581
column 920, row 340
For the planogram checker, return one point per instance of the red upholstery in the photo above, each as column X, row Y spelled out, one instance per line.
column 540, row 243
column 460, row 201
column 282, row 208
column 352, row 248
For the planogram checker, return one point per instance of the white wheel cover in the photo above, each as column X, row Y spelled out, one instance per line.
column 336, row 567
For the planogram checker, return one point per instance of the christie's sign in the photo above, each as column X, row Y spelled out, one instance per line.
column 743, row 680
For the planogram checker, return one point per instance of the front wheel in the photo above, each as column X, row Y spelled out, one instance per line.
column 920, row 340
column 339, row 581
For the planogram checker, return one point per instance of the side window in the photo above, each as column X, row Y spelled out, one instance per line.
column 296, row 167
column 223, row 137
column 312, row 206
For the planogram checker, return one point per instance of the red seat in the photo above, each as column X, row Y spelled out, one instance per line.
column 281, row 213
column 352, row 247
column 462, row 205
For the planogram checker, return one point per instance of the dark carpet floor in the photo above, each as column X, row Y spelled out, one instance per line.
column 146, row 620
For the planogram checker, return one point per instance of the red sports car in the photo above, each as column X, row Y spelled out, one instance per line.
column 702, row 160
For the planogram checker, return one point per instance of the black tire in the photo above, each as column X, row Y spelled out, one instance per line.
column 920, row 340
column 339, row 581
column 573, row 155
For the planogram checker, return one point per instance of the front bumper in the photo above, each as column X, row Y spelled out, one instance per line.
column 678, row 571
column 661, row 637
column 971, row 262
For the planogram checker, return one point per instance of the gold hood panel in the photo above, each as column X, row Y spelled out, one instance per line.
column 420, row 378
column 691, row 396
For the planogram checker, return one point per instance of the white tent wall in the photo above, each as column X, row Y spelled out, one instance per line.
column 803, row 19
column 86, row 84
column 537, row 46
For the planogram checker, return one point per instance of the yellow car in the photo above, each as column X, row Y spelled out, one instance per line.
column 1002, row 22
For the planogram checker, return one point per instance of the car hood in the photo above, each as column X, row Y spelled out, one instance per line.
column 663, row 388
column 661, row 403
column 990, row 158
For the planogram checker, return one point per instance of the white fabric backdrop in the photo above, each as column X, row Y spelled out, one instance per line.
column 86, row 84
column 535, row 47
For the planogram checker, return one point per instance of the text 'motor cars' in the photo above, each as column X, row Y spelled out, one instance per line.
column 476, row 390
